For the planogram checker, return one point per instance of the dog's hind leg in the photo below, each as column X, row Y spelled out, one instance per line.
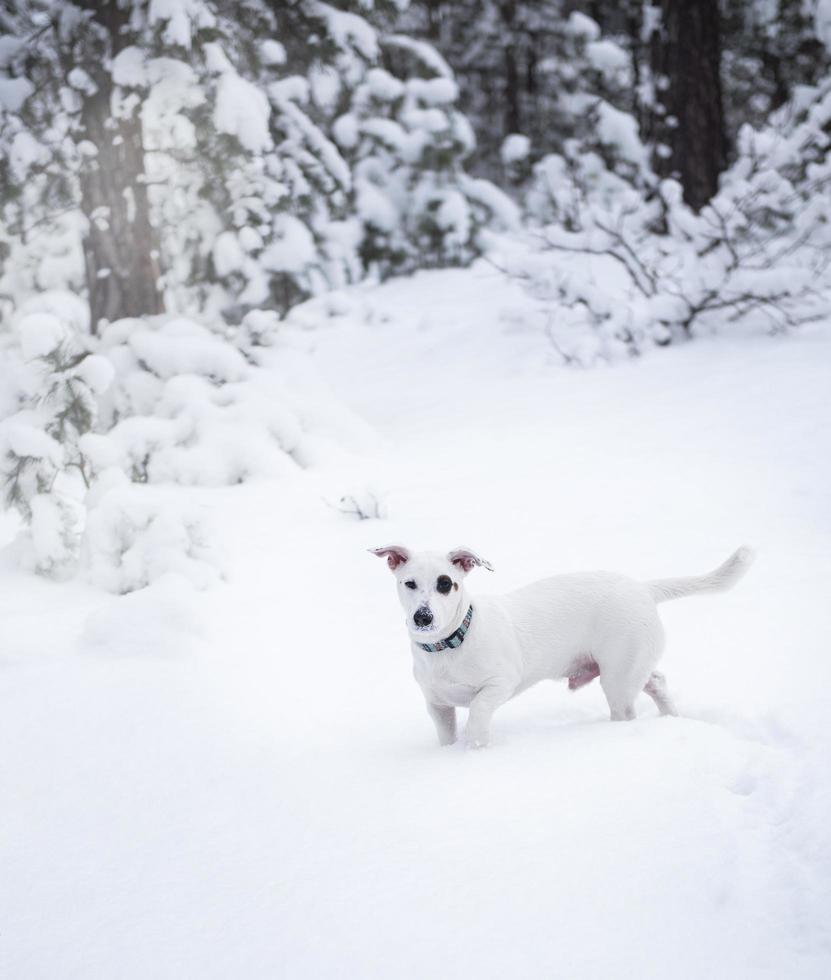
column 622, row 680
column 656, row 688
column 620, row 691
column 621, row 709
column 626, row 661
column 445, row 721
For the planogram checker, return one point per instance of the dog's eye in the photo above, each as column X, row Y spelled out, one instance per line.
column 410, row 584
column 443, row 584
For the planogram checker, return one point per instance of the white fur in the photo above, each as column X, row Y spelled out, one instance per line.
column 551, row 629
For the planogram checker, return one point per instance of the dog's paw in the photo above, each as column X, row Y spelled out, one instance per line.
column 476, row 740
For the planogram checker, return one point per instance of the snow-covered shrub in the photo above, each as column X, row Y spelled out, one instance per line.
column 136, row 535
column 758, row 252
column 163, row 401
column 43, row 468
column 187, row 407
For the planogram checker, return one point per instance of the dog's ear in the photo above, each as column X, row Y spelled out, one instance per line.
column 395, row 554
column 465, row 560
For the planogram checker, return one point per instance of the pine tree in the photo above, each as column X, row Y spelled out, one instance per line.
column 529, row 69
column 200, row 149
column 69, row 148
column 41, row 455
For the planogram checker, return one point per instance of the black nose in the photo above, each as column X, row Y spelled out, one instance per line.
column 422, row 616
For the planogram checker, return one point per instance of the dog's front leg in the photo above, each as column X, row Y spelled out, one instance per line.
column 482, row 707
column 445, row 721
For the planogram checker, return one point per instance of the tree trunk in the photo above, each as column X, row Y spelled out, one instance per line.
column 513, row 115
column 121, row 247
column 687, row 57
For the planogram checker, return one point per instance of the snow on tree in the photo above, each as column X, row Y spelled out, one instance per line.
column 757, row 252
column 94, row 433
column 198, row 141
column 525, row 69
column 68, row 149
column 55, row 383
column 406, row 143
column 196, row 156
column 227, row 160
column 768, row 49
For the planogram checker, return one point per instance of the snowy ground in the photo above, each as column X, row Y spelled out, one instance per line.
column 244, row 783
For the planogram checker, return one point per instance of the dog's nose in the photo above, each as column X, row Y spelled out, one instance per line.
column 422, row 616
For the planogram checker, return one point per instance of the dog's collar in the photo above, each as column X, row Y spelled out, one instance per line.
column 454, row 640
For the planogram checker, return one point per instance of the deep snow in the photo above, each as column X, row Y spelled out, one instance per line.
column 243, row 782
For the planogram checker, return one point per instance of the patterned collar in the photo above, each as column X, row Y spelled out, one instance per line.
column 454, row 640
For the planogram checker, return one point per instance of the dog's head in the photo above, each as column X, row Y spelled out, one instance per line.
column 430, row 588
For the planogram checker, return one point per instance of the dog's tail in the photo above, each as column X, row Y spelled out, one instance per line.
column 723, row 578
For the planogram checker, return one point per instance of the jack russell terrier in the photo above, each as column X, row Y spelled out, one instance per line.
column 480, row 653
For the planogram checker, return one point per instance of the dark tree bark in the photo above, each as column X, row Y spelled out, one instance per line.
column 121, row 247
column 633, row 20
column 687, row 55
column 434, row 20
column 513, row 114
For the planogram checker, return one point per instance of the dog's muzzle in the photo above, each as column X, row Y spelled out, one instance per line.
column 422, row 617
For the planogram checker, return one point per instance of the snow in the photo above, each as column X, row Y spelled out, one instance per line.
column 10, row 47
column 453, row 216
column 137, row 535
column 348, row 30
column 243, row 780
column 506, row 214
column 272, row 52
column 180, row 17
column 23, row 437
column 325, row 84
column 514, row 149
column 82, row 81
column 96, row 372
column 14, row 92
column 374, row 206
column 294, row 87
column 51, row 533
column 293, row 247
column 216, row 60
column 25, row 152
column 161, row 620
column 181, row 346
column 323, row 148
column 242, row 110
column 40, row 334
column 607, row 57
column 425, row 53
column 129, row 67
column 227, row 254
column 822, row 22
column 346, row 131
column 384, row 86
column 583, row 27
column 431, row 120
column 620, row 130
column 433, row 91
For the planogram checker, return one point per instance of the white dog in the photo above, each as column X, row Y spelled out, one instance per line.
column 479, row 654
